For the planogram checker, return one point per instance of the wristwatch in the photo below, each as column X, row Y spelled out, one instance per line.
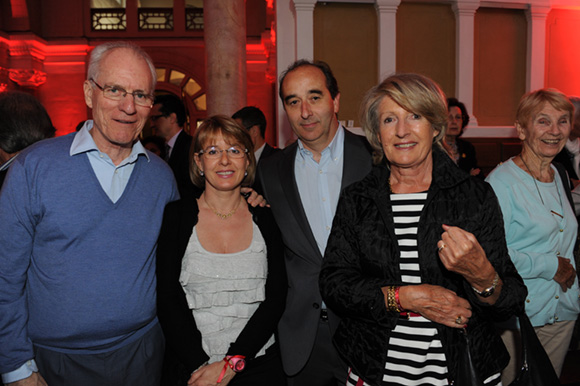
column 236, row 362
column 489, row 290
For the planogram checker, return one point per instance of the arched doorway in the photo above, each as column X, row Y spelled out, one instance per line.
column 185, row 86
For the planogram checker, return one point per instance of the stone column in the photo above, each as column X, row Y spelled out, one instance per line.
column 304, row 28
column 225, row 42
column 387, row 14
column 464, row 55
column 285, row 55
column 536, row 53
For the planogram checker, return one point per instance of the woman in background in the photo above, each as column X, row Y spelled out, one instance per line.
column 462, row 152
column 220, row 266
column 540, row 224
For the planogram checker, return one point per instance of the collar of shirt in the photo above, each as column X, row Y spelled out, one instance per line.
column 83, row 142
column 258, row 152
column 6, row 164
column 171, row 142
column 333, row 151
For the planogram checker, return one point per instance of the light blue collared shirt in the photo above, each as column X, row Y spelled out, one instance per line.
column 319, row 185
column 113, row 179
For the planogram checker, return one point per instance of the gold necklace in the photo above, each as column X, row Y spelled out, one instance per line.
column 223, row 216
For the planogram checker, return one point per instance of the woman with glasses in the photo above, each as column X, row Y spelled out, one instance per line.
column 220, row 268
column 462, row 152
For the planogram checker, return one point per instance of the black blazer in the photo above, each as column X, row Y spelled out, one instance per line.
column 565, row 158
column 268, row 151
column 183, row 340
column 299, row 323
column 179, row 163
column 467, row 159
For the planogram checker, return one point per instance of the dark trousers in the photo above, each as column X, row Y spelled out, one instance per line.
column 324, row 367
column 135, row 364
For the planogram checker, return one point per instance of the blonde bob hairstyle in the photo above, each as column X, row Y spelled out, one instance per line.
column 531, row 104
column 414, row 93
column 232, row 133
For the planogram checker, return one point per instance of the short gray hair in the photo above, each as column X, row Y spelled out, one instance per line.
column 102, row 50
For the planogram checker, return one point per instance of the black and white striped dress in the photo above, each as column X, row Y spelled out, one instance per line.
column 415, row 355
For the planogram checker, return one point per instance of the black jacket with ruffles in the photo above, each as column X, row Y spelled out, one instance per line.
column 362, row 256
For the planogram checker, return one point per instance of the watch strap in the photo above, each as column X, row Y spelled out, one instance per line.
column 489, row 290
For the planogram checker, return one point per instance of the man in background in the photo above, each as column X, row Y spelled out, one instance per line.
column 23, row 121
column 167, row 119
column 254, row 120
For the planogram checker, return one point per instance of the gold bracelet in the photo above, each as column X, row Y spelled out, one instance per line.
column 392, row 299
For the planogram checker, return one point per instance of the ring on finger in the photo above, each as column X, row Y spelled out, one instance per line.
column 441, row 248
column 458, row 320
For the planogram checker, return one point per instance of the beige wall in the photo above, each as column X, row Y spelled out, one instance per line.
column 345, row 36
column 426, row 42
column 500, row 65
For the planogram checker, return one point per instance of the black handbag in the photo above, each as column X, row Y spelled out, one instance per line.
column 466, row 373
column 537, row 370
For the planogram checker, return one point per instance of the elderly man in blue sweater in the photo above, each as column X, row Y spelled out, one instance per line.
column 80, row 219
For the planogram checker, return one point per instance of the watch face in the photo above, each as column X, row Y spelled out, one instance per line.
column 487, row 293
column 239, row 365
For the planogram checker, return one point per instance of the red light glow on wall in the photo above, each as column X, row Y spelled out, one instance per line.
column 563, row 50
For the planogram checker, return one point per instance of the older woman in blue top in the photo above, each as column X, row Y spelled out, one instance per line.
column 540, row 224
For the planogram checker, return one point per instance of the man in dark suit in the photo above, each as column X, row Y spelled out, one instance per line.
column 167, row 120
column 302, row 183
column 254, row 120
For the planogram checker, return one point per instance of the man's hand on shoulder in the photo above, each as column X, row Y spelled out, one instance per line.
column 253, row 198
column 34, row 380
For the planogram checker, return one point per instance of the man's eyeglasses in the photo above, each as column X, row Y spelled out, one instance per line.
column 214, row 152
column 116, row 93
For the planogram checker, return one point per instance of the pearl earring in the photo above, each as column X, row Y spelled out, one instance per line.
column 201, row 172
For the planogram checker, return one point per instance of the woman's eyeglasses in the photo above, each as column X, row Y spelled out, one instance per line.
column 214, row 152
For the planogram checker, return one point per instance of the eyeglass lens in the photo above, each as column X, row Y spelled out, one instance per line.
column 216, row 152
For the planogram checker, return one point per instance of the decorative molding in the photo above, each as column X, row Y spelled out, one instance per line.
column 27, row 77
column 27, row 48
column 389, row 6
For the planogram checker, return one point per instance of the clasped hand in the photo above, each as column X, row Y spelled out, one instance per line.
column 460, row 252
column 437, row 304
column 209, row 374
column 566, row 274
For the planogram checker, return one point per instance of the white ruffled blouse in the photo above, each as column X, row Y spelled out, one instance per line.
column 223, row 290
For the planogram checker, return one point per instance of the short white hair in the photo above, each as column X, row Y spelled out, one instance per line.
column 102, row 50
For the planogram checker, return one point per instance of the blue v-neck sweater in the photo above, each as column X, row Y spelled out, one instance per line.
column 77, row 271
